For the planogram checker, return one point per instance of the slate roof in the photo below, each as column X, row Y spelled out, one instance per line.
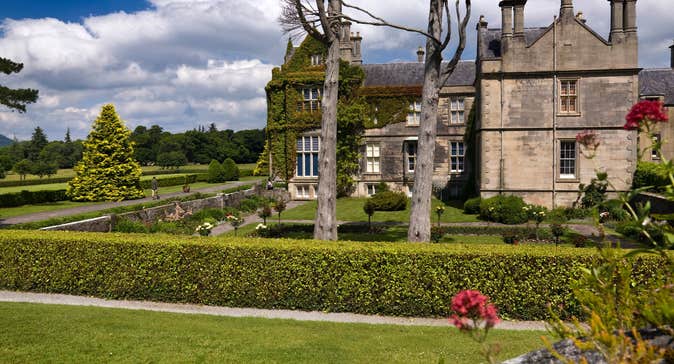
column 412, row 74
column 657, row 81
column 490, row 45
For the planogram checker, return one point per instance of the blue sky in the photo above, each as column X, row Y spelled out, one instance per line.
column 185, row 63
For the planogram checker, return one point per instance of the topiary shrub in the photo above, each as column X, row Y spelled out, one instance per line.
column 650, row 174
column 504, row 209
column 231, row 171
column 389, row 201
column 216, row 172
column 472, row 206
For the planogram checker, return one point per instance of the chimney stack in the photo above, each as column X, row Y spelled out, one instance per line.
column 357, row 55
column 566, row 9
column 420, row 55
column 630, row 16
column 506, row 18
column 616, row 18
column 519, row 18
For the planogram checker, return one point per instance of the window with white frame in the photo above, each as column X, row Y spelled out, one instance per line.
column 303, row 191
column 457, row 154
column 410, row 156
column 311, row 100
column 372, row 156
column 371, row 189
column 654, row 150
column 456, row 110
column 307, row 156
column 567, row 159
column 414, row 113
column 316, row 59
column 568, row 96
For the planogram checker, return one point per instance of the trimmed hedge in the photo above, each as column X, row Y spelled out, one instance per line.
column 34, row 182
column 472, row 206
column 368, row 278
column 31, row 197
column 504, row 209
column 650, row 174
column 389, row 201
column 171, row 181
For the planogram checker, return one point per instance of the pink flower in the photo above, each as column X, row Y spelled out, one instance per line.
column 589, row 139
column 473, row 306
column 645, row 112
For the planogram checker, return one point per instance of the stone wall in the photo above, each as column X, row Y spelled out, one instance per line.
column 96, row 225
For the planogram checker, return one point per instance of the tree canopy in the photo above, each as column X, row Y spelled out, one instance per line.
column 15, row 99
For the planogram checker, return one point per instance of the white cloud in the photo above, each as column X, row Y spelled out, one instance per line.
column 183, row 63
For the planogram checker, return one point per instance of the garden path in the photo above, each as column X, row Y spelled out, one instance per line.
column 103, row 206
column 254, row 219
column 60, row 299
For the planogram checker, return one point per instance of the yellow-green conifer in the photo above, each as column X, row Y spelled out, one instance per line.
column 107, row 171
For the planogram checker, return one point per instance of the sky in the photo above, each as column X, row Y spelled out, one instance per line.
column 185, row 63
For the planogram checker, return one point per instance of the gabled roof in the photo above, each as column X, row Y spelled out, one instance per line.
column 657, row 82
column 490, row 44
column 412, row 74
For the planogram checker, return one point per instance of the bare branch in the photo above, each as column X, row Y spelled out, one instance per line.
column 380, row 22
column 448, row 36
column 295, row 19
column 447, row 71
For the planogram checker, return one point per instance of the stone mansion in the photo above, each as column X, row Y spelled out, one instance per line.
column 507, row 120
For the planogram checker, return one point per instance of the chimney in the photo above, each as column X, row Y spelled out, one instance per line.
column 616, row 18
column 506, row 18
column 345, row 46
column 519, row 18
column 630, row 16
column 566, row 10
column 420, row 55
column 357, row 55
column 482, row 23
column 671, row 59
column 580, row 17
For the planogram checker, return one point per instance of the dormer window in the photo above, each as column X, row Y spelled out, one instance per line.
column 316, row 60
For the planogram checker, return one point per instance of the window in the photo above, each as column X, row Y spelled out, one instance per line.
column 654, row 149
column 411, row 156
column 456, row 110
column 568, row 96
column 567, row 159
column 312, row 100
column 303, row 191
column 371, row 189
column 307, row 156
column 414, row 114
column 316, row 59
column 457, row 154
column 372, row 158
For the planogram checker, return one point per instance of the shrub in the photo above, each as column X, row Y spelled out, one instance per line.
column 368, row 278
column 650, row 174
column 504, row 209
column 129, row 226
column 472, row 206
column 389, row 201
column 31, row 197
column 170, row 181
column 633, row 229
column 231, row 171
column 216, row 172
column 615, row 210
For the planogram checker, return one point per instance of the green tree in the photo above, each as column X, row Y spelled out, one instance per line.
column 107, row 171
column 43, row 168
column 37, row 142
column 23, row 168
column 15, row 99
column 216, row 173
column 173, row 159
column 231, row 170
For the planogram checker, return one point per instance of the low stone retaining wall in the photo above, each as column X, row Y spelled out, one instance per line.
column 659, row 204
column 106, row 223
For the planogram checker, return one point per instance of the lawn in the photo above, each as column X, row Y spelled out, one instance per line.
column 351, row 209
column 51, row 333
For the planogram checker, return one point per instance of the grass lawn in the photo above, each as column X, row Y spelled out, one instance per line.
column 351, row 209
column 48, row 333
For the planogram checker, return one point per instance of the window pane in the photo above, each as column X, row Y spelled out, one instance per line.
column 299, row 145
column 300, row 170
column 461, row 117
column 315, row 157
column 307, row 94
column 314, row 144
column 307, row 164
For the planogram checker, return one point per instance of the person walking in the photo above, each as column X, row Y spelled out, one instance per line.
column 155, row 188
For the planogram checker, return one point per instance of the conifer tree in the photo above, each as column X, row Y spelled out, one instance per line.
column 107, row 171
column 15, row 99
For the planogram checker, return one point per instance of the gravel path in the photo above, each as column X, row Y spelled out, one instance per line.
column 103, row 206
column 59, row 299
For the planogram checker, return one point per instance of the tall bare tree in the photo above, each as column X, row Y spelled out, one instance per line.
column 302, row 15
column 435, row 76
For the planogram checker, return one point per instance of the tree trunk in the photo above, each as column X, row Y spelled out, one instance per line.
column 325, row 227
column 420, row 216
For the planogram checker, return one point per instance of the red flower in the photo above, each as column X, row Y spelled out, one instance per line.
column 645, row 112
column 472, row 305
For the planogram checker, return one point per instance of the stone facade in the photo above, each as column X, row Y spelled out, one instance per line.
column 532, row 91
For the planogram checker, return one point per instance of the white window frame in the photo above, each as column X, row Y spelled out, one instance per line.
column 457, row 110
column 564, row 172
column 411, row 159
column 303, row 191
column 569, row 96
column 307, row 145
column 311, row 99
column 372, row 158
column 316, row 59
column 371, row 189
column 414, row 113
column 457, row 159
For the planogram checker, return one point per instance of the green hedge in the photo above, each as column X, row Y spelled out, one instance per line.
column 170, row 181
column 368, row 278
column 31, row 197
column 650, row 174
column 33, row 182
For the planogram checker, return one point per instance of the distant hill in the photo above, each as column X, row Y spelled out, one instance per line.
column 5, row 141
